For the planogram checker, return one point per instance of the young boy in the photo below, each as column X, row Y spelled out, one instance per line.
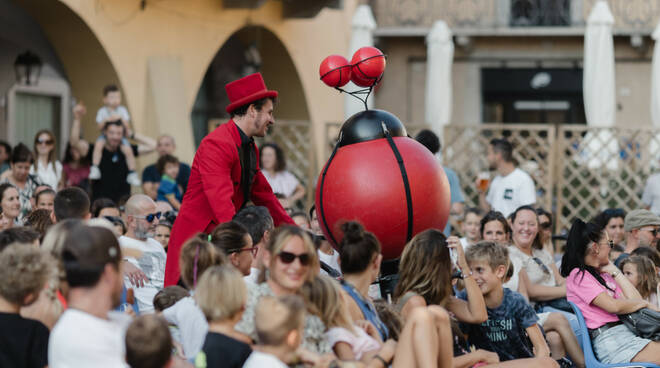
column 279, row 324
column 112, row 110
column 511, row 330
column 148, row 343
column 470, row 225
column 24, row 271
column 168, row 190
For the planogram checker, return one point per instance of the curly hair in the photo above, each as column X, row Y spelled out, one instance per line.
column 24, row 270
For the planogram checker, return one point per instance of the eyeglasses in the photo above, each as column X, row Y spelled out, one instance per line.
column 252, row 250
column 546, row 225
column 608, row 242
column 150, row 217
column 45, row 141
column 545, row 268
column 287, row 257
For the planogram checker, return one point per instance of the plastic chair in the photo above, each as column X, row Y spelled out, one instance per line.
column 590, row 359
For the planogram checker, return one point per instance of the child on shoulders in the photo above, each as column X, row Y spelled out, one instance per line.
column 113, row 111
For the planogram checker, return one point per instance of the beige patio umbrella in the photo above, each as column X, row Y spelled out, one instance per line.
column 362, row 35
column 440, row 55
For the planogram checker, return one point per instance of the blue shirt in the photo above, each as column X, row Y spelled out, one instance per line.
column 168, row 186
column 504, row 331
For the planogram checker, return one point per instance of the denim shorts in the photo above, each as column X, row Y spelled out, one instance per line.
column 618, row 345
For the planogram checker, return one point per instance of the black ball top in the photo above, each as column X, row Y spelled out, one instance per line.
column 368, row 125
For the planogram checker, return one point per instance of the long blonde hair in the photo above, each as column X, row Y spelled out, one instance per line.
column 323, row 298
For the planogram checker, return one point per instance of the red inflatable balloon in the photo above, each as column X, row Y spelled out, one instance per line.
column 363, row 182
column 335, row 71
column 368, row 63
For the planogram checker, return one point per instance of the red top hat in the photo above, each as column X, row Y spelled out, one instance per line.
column 245, row 90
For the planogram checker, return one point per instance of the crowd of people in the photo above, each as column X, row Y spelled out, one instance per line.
column 89, row 275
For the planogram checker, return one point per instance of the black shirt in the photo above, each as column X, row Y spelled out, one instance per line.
column 223, row 351
column 114, row 170
column 248, row 157
column 23, row 342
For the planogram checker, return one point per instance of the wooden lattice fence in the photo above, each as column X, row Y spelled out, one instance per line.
column 603, row 168
column 465, row 151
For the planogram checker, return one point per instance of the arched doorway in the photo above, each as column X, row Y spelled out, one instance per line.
column 256, row 49
column 75, row 68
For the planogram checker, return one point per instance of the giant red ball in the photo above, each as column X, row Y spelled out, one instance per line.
column 335, row 71
column 363, row 183
column 368, row 63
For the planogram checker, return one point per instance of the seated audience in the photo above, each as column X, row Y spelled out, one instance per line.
column 612, row 220
column 235, row 242
column 282, row 181
column 360, row 260
column 10, row 206
column 71, row 203
column 221, row 294
column 290, row 258
column 601, row 291
column 150, row 176
column 102, row 207
column 44, row 199
column 19, row 176
column 168, row 189
column 279, row 323
column 470, row 230
column 141, row 222
column 148, row 343
column 20, row 234
column 47, row 168
column 641, row 228
column 162, row 234
column 642, row 273
column 88, row 333
column 259, row 224
column 24, row 272
column 545, row 232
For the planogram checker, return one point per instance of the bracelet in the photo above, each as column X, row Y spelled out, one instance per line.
column 466, row 275
column 385, row 364
column 615, row 274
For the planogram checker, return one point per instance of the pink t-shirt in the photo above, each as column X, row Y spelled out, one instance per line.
column 582, row 288
column 360, row 342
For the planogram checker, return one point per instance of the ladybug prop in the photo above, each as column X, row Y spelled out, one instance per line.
column 383, row 179
column 376, row 174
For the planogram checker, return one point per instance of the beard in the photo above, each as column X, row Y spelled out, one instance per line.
column 144, row 232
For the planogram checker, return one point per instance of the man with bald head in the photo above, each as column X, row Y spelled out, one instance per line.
column 150, row 175
column 141, row 218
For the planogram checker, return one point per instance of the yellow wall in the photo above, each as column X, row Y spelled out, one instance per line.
column 191, row 32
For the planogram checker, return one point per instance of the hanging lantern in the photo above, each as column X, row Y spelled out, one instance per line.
column 28, row 68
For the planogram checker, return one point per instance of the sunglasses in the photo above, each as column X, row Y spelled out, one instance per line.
column 45, row 141
column 252, row 250
column 287, row 257
column 546, row 225
column 150, row 217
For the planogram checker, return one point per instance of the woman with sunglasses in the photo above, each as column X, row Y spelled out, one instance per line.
column 47, row 168
column 601, row 292
column 611, row 220
column 289, row 260
column 235, row 242
column 545, row 231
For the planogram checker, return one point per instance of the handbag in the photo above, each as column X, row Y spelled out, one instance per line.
column 643, row 323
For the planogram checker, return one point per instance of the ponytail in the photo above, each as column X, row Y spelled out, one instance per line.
column 580, row 236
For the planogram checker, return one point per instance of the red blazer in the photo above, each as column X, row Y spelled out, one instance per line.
column 214, row 193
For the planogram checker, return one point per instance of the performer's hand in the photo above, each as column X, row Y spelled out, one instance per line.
column 135, row 275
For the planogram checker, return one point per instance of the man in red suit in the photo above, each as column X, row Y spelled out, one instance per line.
column 225, row 172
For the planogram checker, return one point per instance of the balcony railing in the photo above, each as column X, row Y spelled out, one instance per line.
column 540, row 13
column 511, row 16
